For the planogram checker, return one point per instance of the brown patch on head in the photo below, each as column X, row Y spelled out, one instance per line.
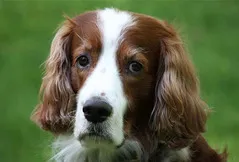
column 86, row 40
column 142, row 45
column 167, row 93
column 63, row 79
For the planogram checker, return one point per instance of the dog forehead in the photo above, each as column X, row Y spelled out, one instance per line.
column 112, row 24
column 138, row 30
column 103, row 29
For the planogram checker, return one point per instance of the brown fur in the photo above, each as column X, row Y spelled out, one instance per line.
column 53, row 113
column 202, row 152
column 61, row 81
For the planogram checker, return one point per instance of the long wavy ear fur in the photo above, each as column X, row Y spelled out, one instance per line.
column 179, row 115
column 57, row 97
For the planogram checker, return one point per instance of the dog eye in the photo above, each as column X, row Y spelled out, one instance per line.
column 83, row 61
column 135, row 67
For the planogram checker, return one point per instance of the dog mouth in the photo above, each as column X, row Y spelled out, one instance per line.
column 98, row 135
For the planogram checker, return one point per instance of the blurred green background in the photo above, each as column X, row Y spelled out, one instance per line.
column 209, row 28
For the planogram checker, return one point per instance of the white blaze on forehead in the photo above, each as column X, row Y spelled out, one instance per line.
column 105, row 78
column 112, row 23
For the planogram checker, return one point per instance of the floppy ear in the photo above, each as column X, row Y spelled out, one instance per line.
column 179, row 115
column 57, row 97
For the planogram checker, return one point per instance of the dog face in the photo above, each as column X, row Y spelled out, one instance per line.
column 118, row 74
column 114, row 76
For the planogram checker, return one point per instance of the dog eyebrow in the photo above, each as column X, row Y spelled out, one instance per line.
column 134, row 51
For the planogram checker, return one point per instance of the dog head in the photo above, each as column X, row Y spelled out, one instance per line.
column 113, row 76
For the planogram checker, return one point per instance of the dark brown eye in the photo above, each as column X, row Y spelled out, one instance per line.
column 83, row 61
column 135, row 67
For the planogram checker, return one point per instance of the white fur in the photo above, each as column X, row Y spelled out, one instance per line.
column 182, row 155
column 70, row 150
column 105, row 78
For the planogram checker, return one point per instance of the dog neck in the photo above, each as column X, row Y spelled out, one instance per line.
column 68, row 149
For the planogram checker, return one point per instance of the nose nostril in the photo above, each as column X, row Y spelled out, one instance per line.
column 86, row 110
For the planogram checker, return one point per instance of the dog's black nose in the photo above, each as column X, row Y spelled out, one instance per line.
column 97, row 110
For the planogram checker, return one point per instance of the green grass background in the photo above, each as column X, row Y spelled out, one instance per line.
column 209, row 28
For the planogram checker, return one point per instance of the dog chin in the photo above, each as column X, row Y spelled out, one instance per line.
column 94, row 140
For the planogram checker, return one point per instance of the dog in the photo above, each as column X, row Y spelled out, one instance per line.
column 119, row 86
